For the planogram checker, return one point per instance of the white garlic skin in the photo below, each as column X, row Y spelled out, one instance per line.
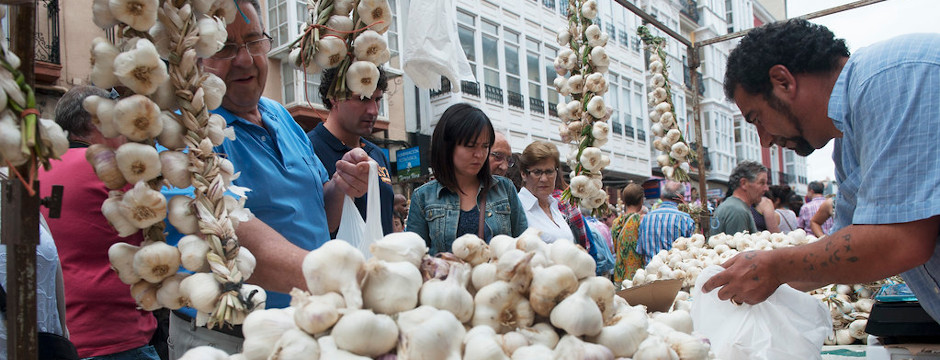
column 313, row 314
column 472, row 249
column 111, row 209
column 578, row 314
column 502, row 308
column 294, row 344
column 138, row 162
column 263, row 328
column 390, row 287
column 428, row 333
column 403, row 246
column 203, row 291
column 204, row 353
column 480, row 344
column 245, row 262
column 336, row 266
column 193, row 250
column 483, row 275
column 175, row 168
column 156, row 262
column 449, row 294
column 365, row 333
column 145, row 294
column 169, row 295
column 121, row 256
column 182, row 215
column 549, row 286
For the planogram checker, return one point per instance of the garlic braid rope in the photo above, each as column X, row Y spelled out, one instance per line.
column 214, row 223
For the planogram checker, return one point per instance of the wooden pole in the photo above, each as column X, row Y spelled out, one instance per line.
column 694, row 63
column 20, row 213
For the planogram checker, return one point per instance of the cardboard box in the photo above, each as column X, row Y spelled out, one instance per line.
column 657, row 295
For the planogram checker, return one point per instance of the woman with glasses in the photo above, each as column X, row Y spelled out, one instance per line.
column 539, row 163
column 464, row 198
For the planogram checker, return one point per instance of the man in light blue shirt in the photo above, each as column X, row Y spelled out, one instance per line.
column 665, row 224
column 798, row 85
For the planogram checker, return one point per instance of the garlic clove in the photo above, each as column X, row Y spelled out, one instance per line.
column 103, row 161
column 203, row 291
column 145, row 294
column 193, row 250
column 143, row 206
column 365, row 333
column 169, row 295
column 138, row 162
column 121, row 257
column 156, row 262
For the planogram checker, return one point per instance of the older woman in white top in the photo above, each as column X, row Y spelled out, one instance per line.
column 539, row 164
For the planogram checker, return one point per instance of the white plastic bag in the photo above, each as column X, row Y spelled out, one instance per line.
column 432, row 48
column 790, row 324
column 362, row 233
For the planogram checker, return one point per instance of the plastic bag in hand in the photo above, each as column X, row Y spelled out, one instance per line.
column 352, row 228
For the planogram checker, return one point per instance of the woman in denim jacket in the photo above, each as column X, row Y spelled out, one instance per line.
column 448, row 207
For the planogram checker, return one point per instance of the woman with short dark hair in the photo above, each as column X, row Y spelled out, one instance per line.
column 463, row 195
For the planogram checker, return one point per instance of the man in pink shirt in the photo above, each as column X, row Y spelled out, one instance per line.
column 815, row 193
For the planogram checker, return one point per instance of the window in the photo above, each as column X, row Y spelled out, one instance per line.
column 533, row 73
column 278, row 22
column 550, row 74
column 729, row 16
column 612, row 98
column 513, row 83
column 639, row 113
column 550, row 4
column 613, row 32
column 624, row 39
column 293, row 86
column 392, row 34
column 491, row 62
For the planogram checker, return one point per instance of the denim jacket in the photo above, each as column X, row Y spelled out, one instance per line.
column 435, row 211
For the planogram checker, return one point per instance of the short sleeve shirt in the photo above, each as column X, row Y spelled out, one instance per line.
column 733, row 216
column 887, row 162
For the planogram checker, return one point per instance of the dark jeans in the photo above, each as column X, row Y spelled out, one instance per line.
column 145, row 352
column 160, row 335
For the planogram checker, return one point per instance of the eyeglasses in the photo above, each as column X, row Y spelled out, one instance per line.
column 539, row 172
column 254, row 47
column 500, row 157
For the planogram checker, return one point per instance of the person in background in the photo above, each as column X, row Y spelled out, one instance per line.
column 665, row 224
column 500, row 156
column 104, row 318
column 824, row 214
column 763, row 213
column 296, row 205
column 814, row 192
column 352, row 119
column 398, row 222
column 795, row 203
column 572, row 213
column 779, row 194
column 464, row 195
column 539, row 165
column 747, row 184
column 625, row 231
column 797, row 83
column 514, row 174
column 400, row 205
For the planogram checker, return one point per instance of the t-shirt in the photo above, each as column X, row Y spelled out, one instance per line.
column 733, row 216
column 102, row 319
column 330, row 149
column 885, row 104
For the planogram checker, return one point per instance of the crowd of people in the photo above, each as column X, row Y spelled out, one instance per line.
column 481, row 187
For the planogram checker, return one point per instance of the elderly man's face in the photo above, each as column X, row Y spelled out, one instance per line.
column 245, row 74
column 500, row 156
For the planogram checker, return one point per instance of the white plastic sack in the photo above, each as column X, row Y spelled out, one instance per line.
column 790, row 324
column 432, row 47
column 362, row 233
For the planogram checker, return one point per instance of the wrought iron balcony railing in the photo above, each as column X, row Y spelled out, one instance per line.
column 494, row 94
column 536, row 105
column 516, row 99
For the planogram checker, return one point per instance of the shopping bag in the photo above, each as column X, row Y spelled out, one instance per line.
column 352, row 228
column 790, row 324
column 432, row 48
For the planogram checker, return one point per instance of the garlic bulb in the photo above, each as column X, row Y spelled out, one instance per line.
column 114, row 213
column 53, row 137
column 121, row 257
column 624, row 332
column 679, row 320
column 102, row 62
column 101, row 14
column 428, row 333
column 182, row 215
column 336, row 266
column 143, row 206
column 138, row 14
column 141, row 69
column 173, row 133
column 533, row 352
column 11, row 139
column 328, row 350
column 193, row 252
column 450, row 294
column 175, row 168
column 138, row 162
column 370, row 46
column 145, row 294
column 138, row 118
column 203, row 292
column 599, row 57
column 102, row 114
column 339, row 25
column 404, row 246
column 245, row 262
column 375, row 14
column 262, row 329
column 362, row 78
column 549, row 286
column 212, row 36
column 314, row 314
column 103, row 161
column 581, row 186
column 687, row 346
column 296, row 345
column 499, row 306
column 156, row 261
column 169, row 295
column 857, row 329
column 214, row 89
column 541, row 333
column 596, row 107
column 571, row 347
column 472, row 249
column 655, row 348
column 513, row 267
column 571, row 255
column 482, row 275
column 390, row 287
column 578, row 314
column 365, row 333
column 480, row 344
column 330, row 52
column 204, row 353
column 500, row 244
column 217, row 130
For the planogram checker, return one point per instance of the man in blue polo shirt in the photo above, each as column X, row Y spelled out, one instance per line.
column 350, row 120
column 295, row 203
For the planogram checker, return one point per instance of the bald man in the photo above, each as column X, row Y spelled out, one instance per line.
column 500, row 155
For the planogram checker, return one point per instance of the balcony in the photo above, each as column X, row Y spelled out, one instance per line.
column 494, row 94
column 690, row 10
column 686, row 73
column 553, row 109
column 641, row 135
column 445, row 88
column 693, row 147
column 515, row 99
column 48, row 67
column 537, row 105
column 470, row 88
column 628, row 131
column 549, row 4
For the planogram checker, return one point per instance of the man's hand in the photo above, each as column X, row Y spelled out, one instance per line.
column 352, row 173
column 749, row 278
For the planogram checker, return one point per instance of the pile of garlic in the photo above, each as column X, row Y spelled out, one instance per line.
column 850, row 306
column 674, row 160
column 333, row 33
column 20, row 137
column 514, row 298
column 584, row 60
column 170, row 107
